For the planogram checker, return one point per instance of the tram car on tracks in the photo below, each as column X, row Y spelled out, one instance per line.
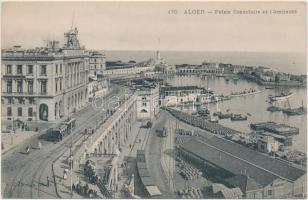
column 57, row 134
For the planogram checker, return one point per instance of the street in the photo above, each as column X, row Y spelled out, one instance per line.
column 24, row 175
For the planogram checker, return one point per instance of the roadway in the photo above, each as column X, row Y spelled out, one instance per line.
column 159, row 152
column 25, row 175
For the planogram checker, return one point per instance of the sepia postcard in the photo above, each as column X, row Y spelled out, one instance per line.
column 153, row 99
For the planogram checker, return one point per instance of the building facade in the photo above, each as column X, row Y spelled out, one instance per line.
column 147, row 102
column 44, row 84
column 97, row 62
column 178, row 96
column 267, row 144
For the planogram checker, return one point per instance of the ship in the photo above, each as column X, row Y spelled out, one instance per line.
column 295, row 111
column 238, row 117
column 281, row 96
column 274, row 109
column 221, row 115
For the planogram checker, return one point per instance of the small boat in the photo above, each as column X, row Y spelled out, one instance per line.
column 248, row 114
column 282, row 96
column 221, row 115
column 274, row 109
column 295, row 111
column 238, row 117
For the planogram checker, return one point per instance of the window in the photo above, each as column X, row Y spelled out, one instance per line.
column 10, row 100
column 56, row 86
column 19, row 86
column 61, row 68
column 43, row 87
column 144, row 104
column 43, row 70
column 144, row 98
column 9, row 86
column 31, row 101
column 20, row 100
column 9, row 69
column 270, row 192
column 56, row 68
column 30, row 87
column 30, row 112
column 60, row 85
column 19, row 112
column 30, row 69
column 19, row 69
column 9, row 111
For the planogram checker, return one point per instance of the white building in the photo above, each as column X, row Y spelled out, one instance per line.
column 97, row 88
column 97, row 62
column 147, row 102
column 177, row 96
column 267, row 144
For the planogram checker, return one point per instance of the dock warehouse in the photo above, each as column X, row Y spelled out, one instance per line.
column 224, row 159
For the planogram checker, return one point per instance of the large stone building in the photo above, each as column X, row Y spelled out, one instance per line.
column 44, row 84
column 147, row 101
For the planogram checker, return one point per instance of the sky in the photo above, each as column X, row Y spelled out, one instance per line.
column 148, row 26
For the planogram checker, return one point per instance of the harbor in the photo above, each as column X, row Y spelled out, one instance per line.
column 255, row 105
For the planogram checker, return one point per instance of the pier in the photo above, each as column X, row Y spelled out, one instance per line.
column 199, row 122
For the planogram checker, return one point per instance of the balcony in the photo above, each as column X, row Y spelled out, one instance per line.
column 29, row 75
column 18, row 94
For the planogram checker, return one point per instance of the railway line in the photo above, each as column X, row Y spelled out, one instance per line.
column 23, row 172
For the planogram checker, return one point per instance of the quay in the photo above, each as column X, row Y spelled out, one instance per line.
column 235, row 166
column 199, row 122
column 281, row 129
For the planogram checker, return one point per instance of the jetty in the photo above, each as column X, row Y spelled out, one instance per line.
column 281, row 129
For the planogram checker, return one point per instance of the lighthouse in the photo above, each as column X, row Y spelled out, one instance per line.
column 158, row 59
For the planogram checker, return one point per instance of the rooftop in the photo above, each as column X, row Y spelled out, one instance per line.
column 238, row 159
column 245, row 183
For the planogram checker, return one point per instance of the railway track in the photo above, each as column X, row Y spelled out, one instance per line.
column 42, row 159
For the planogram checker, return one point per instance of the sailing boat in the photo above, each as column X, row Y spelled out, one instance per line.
column 282, row 96
column 295, row 111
